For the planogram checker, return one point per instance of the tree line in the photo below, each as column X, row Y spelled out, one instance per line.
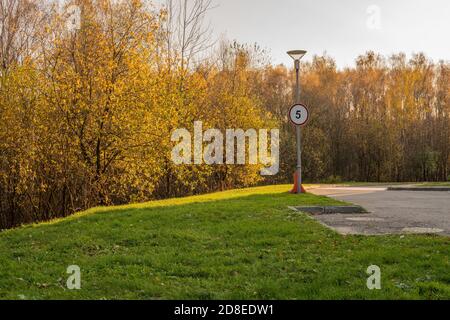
column 88, row 107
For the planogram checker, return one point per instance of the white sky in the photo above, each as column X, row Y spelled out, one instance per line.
column 338, row 27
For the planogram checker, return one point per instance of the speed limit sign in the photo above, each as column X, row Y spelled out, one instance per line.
column 299, row 114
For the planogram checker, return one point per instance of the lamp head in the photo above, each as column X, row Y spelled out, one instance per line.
column 296, row 54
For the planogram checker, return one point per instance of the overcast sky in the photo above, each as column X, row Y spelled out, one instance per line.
column 342, row 28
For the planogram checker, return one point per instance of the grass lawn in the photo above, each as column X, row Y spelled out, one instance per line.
column 241, row 244
column 435, row 184
column 374, row 184
column 369, row 184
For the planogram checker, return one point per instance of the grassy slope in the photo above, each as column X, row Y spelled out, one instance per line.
column 229, row 245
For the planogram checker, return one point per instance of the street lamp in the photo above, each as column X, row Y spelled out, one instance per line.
column 297, row 55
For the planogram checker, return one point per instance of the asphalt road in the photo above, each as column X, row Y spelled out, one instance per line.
column 391, row 212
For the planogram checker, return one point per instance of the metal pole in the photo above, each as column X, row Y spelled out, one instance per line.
column 297, row 129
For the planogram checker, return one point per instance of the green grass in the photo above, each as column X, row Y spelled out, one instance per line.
column 241, row 244
column 434, row 184
column 369, row 184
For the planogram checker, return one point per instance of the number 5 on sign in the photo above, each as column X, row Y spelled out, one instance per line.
column 299, row 114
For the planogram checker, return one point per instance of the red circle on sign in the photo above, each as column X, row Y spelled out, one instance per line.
column 307, row 114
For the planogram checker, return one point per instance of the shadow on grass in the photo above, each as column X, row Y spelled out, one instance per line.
column 244, row 244
column 268, row 199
